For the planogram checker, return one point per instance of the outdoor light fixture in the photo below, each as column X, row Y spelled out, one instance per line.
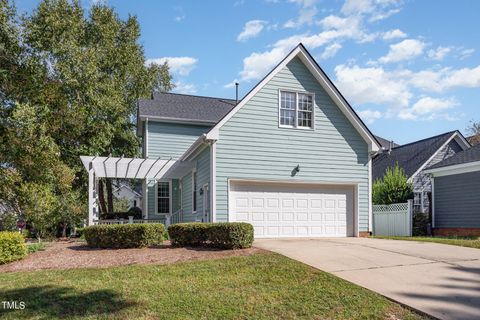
column 201, row 191
column 296, row 170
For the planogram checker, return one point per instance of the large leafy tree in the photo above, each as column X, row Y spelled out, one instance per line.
column 69, row 82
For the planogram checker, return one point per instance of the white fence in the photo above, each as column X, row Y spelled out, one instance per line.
column 393, row 219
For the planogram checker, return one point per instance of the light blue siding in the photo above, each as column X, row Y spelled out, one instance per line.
column 202, row 163
column 252, row 146
column 171, row 139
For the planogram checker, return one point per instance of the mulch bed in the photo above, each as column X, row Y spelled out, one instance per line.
column 76, row 254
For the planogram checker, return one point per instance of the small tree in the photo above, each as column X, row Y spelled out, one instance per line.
column 394, row 188
column 473, row 131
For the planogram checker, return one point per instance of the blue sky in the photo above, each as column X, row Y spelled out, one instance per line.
column 411, row 69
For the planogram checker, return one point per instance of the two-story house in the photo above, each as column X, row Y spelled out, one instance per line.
column 292, row 157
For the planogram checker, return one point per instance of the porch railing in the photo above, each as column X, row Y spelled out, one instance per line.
column 127, row 221
column 176, row 217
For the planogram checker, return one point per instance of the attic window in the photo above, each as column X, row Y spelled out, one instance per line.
column 296, row 109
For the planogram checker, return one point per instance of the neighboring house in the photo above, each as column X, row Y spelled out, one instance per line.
column 386, row 144
column 292, row 157
column 126, row 192
column 456, row 194
column 415, row 157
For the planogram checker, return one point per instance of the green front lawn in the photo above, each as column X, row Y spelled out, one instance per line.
column 260, row 286
column 472, row 242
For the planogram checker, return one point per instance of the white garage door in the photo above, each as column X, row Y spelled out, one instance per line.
column 293, row 210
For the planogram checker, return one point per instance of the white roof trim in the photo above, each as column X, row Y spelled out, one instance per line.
column 455, row 136
column 322, row 78
column 455, row 169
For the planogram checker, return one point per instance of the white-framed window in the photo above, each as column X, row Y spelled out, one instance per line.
column 194, row 191
column 163, row 197
column 296, row 109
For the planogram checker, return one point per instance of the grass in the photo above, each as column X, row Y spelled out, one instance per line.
column 472, row 242
column 260, row 286
column 37, row 246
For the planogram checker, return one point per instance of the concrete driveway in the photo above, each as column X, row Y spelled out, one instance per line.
column 441, row 280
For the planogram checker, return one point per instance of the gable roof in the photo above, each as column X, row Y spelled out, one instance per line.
column 412, row 156
column 385, row 144
column 301, row 52
column 184, row 108
column 466, row 156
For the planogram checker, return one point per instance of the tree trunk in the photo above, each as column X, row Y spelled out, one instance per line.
column 64, row 230
column 108, row 182
column 101, row 197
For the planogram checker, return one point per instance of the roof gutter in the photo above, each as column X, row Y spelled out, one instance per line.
column 178, row 120
column 197, row 146
column 466, row 167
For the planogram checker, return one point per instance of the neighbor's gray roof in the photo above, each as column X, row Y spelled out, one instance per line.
column 385, row 144
column 185, row 107
column 410, row 156
column 470, row 155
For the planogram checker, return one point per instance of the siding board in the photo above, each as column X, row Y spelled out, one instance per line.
column 457, row 201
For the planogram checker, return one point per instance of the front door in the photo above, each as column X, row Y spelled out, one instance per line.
column 206, row 203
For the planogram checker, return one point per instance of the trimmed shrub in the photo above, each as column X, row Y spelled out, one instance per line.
column 188, row 234
column 12, row 246
column 227, row 235
column 124, row 235
column 420, row 224
column 230, row 235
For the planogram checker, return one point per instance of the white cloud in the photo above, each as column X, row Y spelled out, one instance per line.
column 465, row 53
column 372, row 85
column 331, row 50
column 306, row 15
column 180, row 14
column 357, row 7
column 335, row 29
column 439, row 53
column 185, row 88
column 428, row 108
column 376, row 9
column 251, row 29
column 231, row 84
column 382, row 15
column 446, row 78
column 369, row 116
column 405, row 50
column 394, row 90
column 394, row 34
column 178, row 65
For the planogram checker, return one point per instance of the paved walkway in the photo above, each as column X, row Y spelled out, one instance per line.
column 441, row 280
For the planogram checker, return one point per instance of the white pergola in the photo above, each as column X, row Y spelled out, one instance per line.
column 128, row 168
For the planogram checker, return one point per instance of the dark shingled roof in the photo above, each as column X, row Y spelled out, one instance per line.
column 385, row 144
column 470, row 155
column 185, row 107
column 410, row 156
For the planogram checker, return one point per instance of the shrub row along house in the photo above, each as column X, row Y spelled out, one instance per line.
column 292, row 157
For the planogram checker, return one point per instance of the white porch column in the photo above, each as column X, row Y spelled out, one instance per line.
column 92, row 196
